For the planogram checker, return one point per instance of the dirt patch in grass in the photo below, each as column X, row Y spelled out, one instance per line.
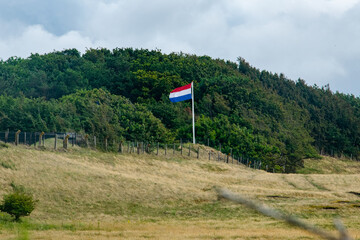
column 355, row 193
column 276, row 196
column 325, row 207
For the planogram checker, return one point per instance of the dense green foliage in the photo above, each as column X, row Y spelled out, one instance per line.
column 95, row 112
column 18, row 204
column 123, row 94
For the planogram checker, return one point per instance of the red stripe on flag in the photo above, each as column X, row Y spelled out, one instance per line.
column 181, row 88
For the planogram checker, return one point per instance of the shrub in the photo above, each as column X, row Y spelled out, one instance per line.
column 18, row 204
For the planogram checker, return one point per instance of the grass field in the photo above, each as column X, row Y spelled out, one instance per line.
column 85, row 194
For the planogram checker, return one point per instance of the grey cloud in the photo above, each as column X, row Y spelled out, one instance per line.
column 58, row 17
column 314, row 40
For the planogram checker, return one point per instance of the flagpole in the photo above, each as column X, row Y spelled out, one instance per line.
column 193, row 114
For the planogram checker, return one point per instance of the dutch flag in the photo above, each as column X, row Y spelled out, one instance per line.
column 181, row 93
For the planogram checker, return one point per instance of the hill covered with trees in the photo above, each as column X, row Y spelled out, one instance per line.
column 123, row 94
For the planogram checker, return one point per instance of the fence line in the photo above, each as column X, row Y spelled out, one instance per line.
column 31, row 138
column 66, row 140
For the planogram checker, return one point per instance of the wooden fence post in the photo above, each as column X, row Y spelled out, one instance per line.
column 165, row 149
column 55, row 144
column 149, row 150
column 181, row 146
column 24, row 138
column 95, row 142
column 157, row 149
column 174, row 149
column 65, row 142
column 219, row 152
column 87, row 140
column 17, row 137
column 189, row 149
column 198, row 152
column 41, row 138
column 106, row 143
column 6, row 135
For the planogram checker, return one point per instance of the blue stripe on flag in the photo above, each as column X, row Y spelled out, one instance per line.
column 182, row 98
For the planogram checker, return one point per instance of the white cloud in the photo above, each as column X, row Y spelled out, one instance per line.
column 318, row 41
column 35, row 39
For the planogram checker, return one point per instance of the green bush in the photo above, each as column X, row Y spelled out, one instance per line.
column 18, row 204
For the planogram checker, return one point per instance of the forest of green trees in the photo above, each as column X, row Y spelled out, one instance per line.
column 122, row 94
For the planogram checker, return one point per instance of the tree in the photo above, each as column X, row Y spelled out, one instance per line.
column 18, row 204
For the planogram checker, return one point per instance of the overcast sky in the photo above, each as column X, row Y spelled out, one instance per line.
column 318, row 41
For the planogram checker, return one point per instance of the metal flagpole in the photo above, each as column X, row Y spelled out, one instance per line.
column 193, row 114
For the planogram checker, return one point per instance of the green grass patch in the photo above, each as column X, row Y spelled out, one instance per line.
column 22, row 227
column 290, row 183
column 177, row 210
column 8, row 164
column 18, row 187
column 3, row 145
column 318, row 186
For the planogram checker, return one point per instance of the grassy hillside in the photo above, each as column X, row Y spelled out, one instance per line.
column 87, row 194
column 330, row 165
column 251, row 113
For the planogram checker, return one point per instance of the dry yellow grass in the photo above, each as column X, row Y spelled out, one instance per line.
column 91, row 195
column 328, row 165
column 185, row 230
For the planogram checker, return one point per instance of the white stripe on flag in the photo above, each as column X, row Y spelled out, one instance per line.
column 181, row 93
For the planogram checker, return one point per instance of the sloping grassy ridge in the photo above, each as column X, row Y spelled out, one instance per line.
column 83, row 191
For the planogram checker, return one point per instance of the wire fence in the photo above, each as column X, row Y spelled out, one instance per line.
column 41, row 139
column 211, row 150
column 180, row 147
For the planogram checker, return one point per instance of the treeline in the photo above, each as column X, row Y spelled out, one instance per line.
column 95, row 112
column 123, row 93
